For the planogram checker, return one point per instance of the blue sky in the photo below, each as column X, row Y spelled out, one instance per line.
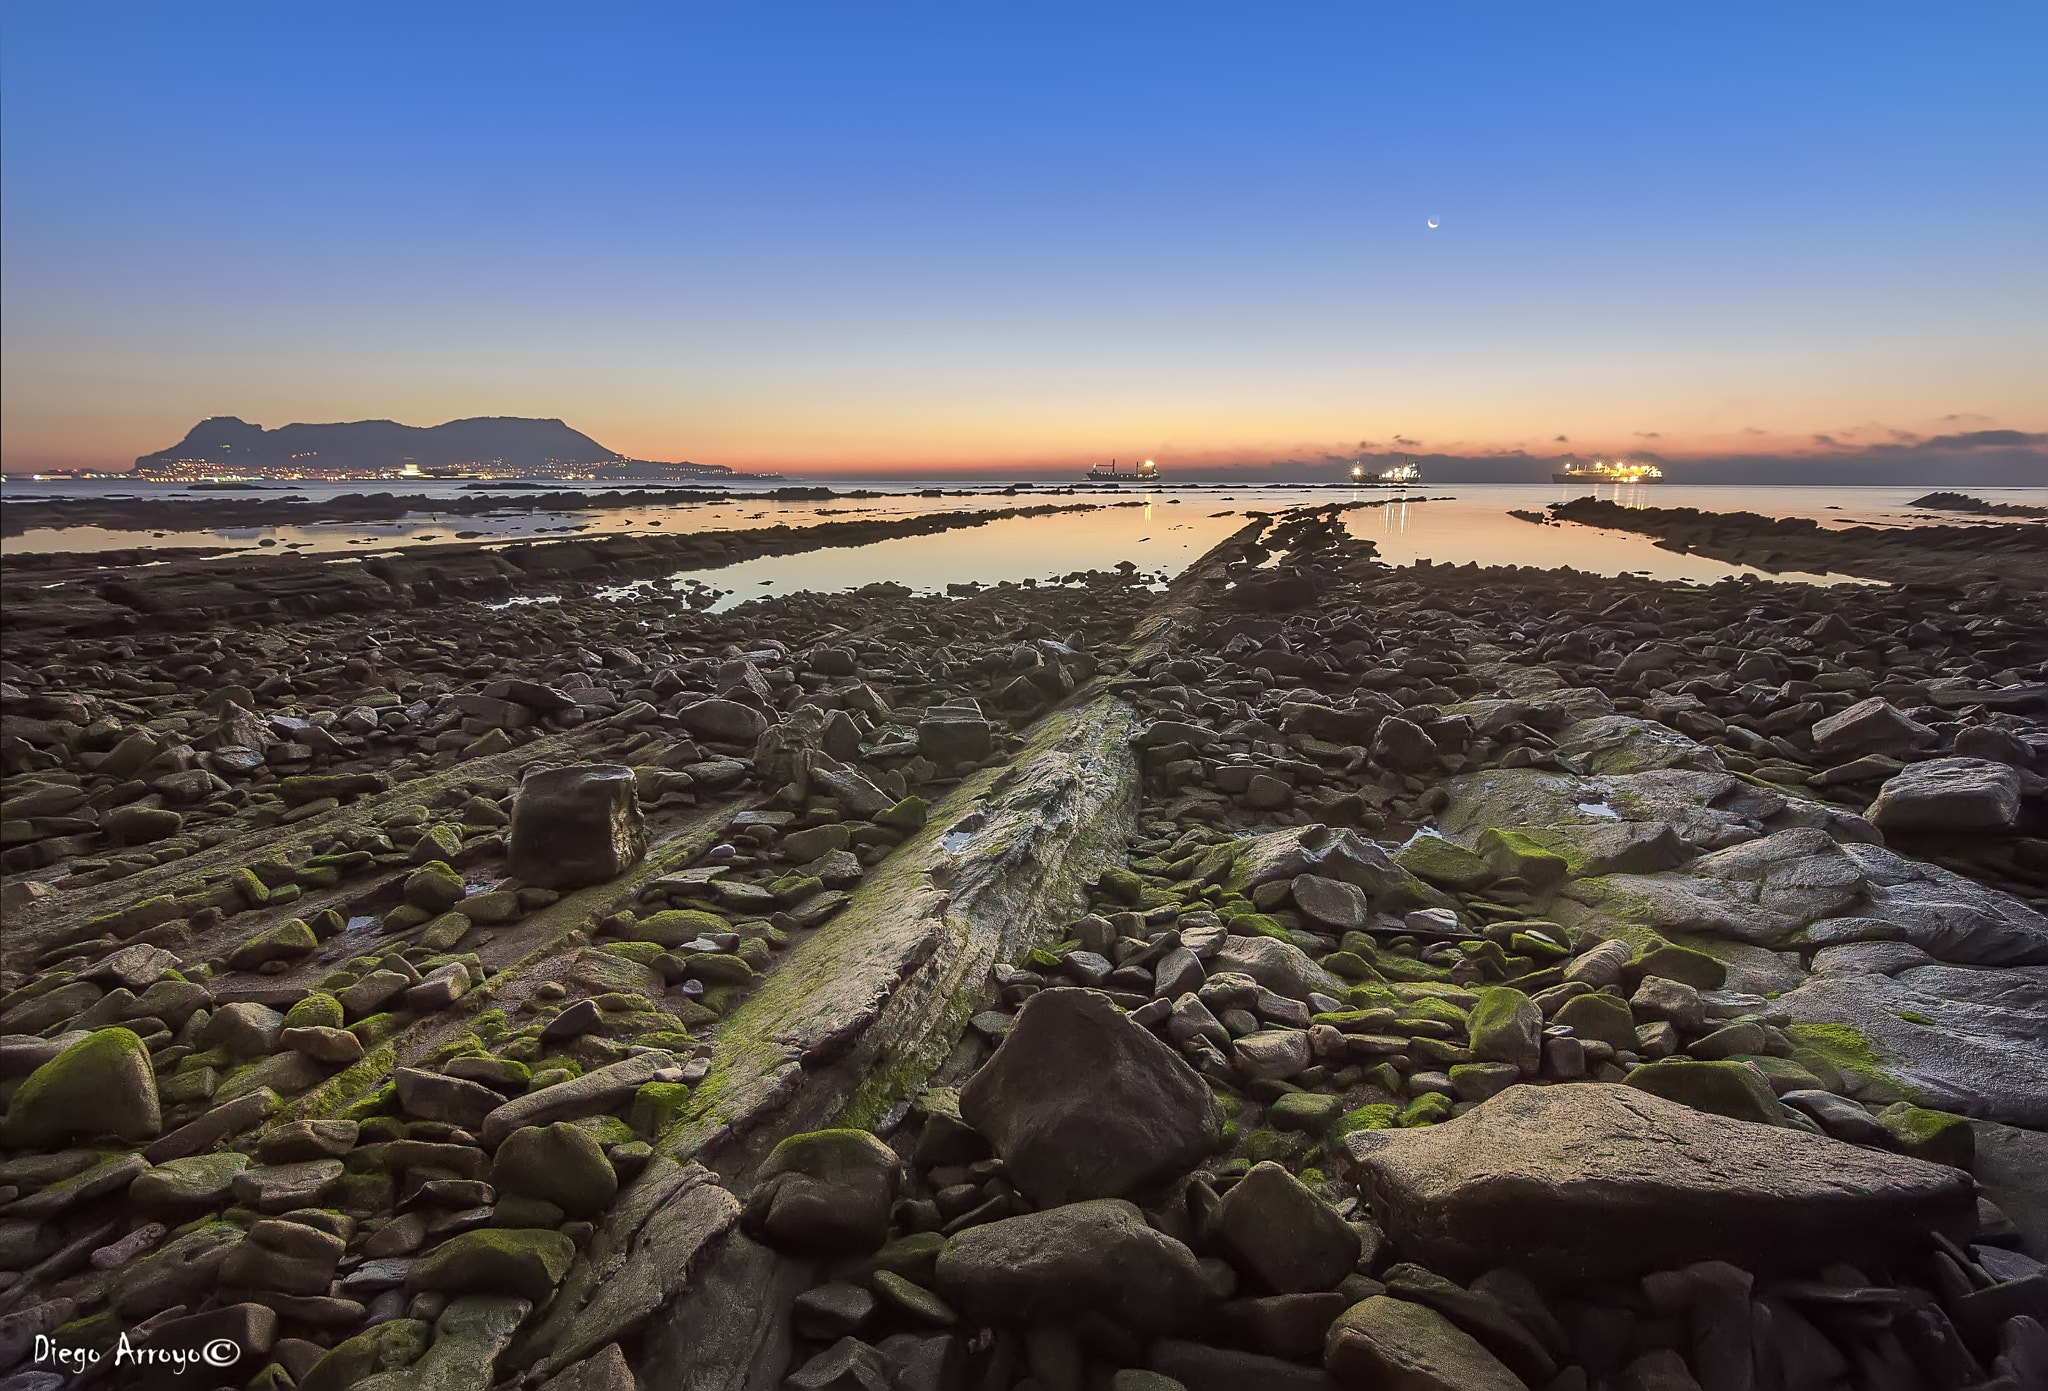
column 885, row 237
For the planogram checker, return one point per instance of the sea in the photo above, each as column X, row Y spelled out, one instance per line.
column 1159, row 529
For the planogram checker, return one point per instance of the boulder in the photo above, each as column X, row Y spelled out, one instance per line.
column 526, row 1262
column 1384, row 1344
column 101, row 1085
column 828, row 1192
column 1281, row 967
column 559, row 1163
column 1404, row 746
column 1722, row 1088
column 1282, row 1235
column 576, row 826
column 1331, row 902
column 1949, row 796
column 1591, row 1181
column 1097, row 1257
column 1082, row 1103
column 1870, row 726
column 727, row 721
column 1507, row 1027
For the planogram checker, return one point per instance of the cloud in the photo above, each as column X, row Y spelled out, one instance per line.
column 1825, row 439
column 1649, row 434
column 1986, row 439
column 1403, row 439
column 1562, row 439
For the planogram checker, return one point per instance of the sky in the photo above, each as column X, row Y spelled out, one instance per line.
column 884, row 239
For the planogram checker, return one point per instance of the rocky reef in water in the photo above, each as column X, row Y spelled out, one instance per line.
column 1316, row 975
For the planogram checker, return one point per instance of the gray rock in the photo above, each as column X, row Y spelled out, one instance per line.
column 1870, row 726
column 595, row 1091
column 1949, row 796
column 1280, row 966
column 202, row 1180
column 1090, row 1257
column 1984, row 1052
column 1199, row 1367
column 603, row 1370
column 1273, row 1054
column 182, row 1271
column 101, row 1085
column 727, row 721
column 282, row 1187
column 577, row 825
column 468, row 1338
column 1331, row 902
column 431, row 1096
column 245, row 1030
column 1287, row 1240
column 1082, row 1103
column 1590, row 1180
column 283, row 1256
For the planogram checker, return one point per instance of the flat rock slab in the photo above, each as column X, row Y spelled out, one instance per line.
column 1969, row 1040
column 1590, row 1181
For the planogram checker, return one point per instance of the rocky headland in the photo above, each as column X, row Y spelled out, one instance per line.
column 1316, row 975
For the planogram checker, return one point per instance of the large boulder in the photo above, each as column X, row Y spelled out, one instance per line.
column 1082, row 1103
column 1949, row 796
column 101, row 1085
column 1281, row 967
column 576, row 826
column 1593, row 1181
column 1083, row 1258
column 1282, row 1235
column 727, row 721
column 827, row 1192
column 1870, row 726
column 560, row 1164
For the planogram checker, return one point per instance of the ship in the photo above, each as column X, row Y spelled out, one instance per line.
column 1400, row 476
column 1146, row 472
column 1601, row 471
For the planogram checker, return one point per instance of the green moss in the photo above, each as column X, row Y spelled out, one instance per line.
column 1383, row 1116
column 1935, row 1136
column 1427, row 1109
column 1849, row 1053
column 316, row 1011
column 1912, row 1017
column 363, row 1193
column 1259, row 924
column 377, row 1028
column 1290, row 1148
column 656, row 1106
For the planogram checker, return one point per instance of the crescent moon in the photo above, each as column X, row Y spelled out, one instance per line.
column 1432, row 222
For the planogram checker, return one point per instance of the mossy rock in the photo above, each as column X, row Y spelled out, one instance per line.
column 1936, row 1136
column 1379, row 1116
column 1731, row 1089
column 1855, row 1061
column 561, row 1164
column 519, row 1261
column 639, row 953
column 101, row 1085
column 1290, row 1148
column 435, row 888
column 656, row 1106
column 1309, row 1113
column 377, row 1028
column 672, row 927
column 1445, row 863
column 288, row 941
column 1121, row 884
column 1680, row 963
column 1427, row 1109
column 362, row 1193
column 1258, row 925
column 1601, row 1017
column 1511, row 854
column 316, row 1011
column 907, row 815
column 717, row 969
column 388, row 1347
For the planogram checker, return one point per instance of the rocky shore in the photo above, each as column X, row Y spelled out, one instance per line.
column 1317, row 975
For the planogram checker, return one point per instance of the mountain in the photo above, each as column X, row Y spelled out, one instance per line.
column 377, row 445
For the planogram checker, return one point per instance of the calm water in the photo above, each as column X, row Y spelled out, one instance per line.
column 1447, row 524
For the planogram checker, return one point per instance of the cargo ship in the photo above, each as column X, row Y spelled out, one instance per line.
column 1146, row 472
column 1400, row 476
column 1601, row 471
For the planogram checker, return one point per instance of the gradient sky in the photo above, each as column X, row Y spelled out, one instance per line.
column 881, row 237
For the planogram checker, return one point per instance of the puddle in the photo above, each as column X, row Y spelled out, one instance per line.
column 1600, row 809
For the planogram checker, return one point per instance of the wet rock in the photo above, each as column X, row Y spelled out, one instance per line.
column 575, row 826
column 1949, row 796
column 1082, row 1103
column 1280, row 1234
column 1089, row 1257
column 101, row 1085
column 1386, row 1342
column 560, row 1163
column 826, row 1192
column 1590, row 1180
